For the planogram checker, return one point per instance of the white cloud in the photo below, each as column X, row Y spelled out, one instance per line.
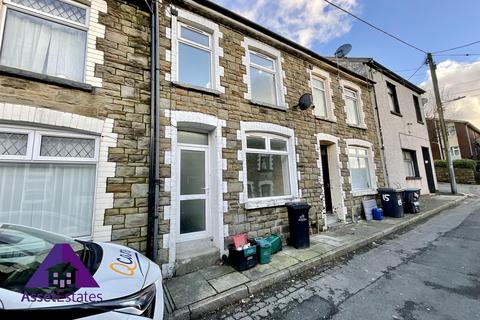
column 457, row 79
column 304, row 21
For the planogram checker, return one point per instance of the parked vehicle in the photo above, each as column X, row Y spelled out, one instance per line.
column 128, row 285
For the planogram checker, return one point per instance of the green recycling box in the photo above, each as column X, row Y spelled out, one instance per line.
column 264, row 253
column 275, row 243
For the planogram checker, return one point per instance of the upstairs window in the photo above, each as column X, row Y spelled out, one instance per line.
column 45, row 36
column 451, row 130
column 263, row 78
column 392, row 98
column 194, row 56
column 319, row 91
column 455, row 152
column 352, row 108
column 418, row 110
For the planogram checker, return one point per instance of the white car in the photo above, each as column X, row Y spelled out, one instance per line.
column 129, row 284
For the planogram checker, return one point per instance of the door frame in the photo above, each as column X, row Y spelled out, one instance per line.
column 207, row 196
column 328, row 170
column 429, row 173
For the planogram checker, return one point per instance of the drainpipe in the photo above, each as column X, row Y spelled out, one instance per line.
column 379, row 130
column 154, row 167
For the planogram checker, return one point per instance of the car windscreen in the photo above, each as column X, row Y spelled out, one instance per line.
column 22, row 250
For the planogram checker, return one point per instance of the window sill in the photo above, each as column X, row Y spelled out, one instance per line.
column 421, row 122
column 267, row 202
column 328, row 119
column 45, row 78
column 360, row 193
column 268, row 105
column 413, row 178
column 196, row 88
column 398, row 114
column 358, row 126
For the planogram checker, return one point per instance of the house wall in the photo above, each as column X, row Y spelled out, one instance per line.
column 115, row 107
column 231, row 110
column 401, row 132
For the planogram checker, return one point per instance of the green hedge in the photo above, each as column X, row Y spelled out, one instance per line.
column 463, row 163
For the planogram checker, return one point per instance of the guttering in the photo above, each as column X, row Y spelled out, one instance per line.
column 154, row 164
column 238, row 20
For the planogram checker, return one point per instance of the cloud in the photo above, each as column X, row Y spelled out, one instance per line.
column 457, row 79
column 305, row 21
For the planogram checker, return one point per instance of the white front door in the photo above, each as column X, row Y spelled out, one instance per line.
column 193, row 186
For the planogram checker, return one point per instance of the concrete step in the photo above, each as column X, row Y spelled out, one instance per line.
column 195, row 255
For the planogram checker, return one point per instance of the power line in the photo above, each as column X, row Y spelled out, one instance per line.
column 459, row 47
column 418, row 69
column 375, row 27
column 457, row 55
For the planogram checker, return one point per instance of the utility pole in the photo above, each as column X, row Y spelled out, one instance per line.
column 443, row 127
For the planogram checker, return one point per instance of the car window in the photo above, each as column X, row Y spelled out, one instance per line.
column 22, row 250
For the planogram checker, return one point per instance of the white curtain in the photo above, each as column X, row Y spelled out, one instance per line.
column 43, row 46
column 53, row 197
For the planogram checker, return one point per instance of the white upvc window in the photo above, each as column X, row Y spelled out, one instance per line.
column 322, row 98
column 264, row 77
column 194, row 56
column 362, row 168
column 45, row 36
column 352, row 94
column 269, row 169
column 455, row 152
column 48, row 179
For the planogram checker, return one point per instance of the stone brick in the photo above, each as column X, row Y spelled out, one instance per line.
column 139, row 190
column 135, row 220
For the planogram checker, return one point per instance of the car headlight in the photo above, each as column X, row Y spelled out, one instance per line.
column 140, row 303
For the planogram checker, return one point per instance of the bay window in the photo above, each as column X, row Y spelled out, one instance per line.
column 194, row 56
column 48, row 179
column 359, row 168
column 45, row 36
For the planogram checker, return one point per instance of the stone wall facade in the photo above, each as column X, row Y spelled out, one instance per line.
column 462, row 175
column 232, row 109
column 118, row 102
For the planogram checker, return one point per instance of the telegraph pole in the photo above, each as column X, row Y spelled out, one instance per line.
column 443, row 127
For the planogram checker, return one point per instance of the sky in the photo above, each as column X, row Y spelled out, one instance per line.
column 431, row 25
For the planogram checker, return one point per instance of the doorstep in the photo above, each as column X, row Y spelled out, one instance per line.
column 211, row 288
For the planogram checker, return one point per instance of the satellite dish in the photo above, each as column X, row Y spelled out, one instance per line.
column 343, row 50
column 306, row 102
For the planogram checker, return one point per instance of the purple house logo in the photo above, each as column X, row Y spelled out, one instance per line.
column 62, row 271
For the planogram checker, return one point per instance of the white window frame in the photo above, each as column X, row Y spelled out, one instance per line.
column 28, row 154
column 258, row 48
column 269, row 131
column 455, row 152
column 8, row 4
column 347, row 85
column 324, row 76
column 193, row 44
column 409, row 162
column 34, row 145
column 206, row 27
column 357, row 143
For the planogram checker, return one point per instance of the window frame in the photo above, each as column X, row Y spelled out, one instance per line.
column 357, row 143
column 326, row 94
column 263, row 50
column 209, row 49
column 273, row 72
column 413, row 162
column 260, row 129
column 418, row 109
column 9, row 5
column 453, row 153
column 393, row 98
column 355, row 100
column 35, row 141
column 367, row 160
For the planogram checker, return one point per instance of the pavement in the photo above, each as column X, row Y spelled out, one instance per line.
column 430, row 271
column 197, row 294
column 470, row 189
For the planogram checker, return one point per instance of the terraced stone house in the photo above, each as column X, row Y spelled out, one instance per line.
column 74, row 117
column 235, row 148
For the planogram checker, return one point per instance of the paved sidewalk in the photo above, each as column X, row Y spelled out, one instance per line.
column 209, row 289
